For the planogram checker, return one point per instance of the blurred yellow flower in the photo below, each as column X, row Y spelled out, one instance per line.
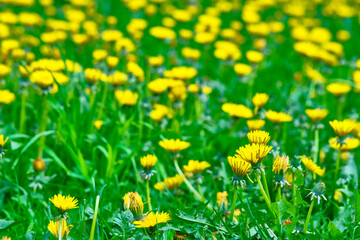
column 170, row 183
column 98, row 124
column 126, row 97
column 347, row 145
column 237, row 110
column 6, row 97
column 148, row 161
column 254, row 56
column 221, row 198
column 259, row 100
column 278, row 117
column 196, row 167
column 242, row 69
column 152, row 219
column 338, row 89
column 255, row 124
column 317, row 114
column 174, row 146
column 342, row 128
column 312, row 167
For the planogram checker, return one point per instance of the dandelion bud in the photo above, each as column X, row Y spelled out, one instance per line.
column 134, row 203
column 39, row 165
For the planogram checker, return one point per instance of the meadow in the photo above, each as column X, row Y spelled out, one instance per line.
column 187, row 119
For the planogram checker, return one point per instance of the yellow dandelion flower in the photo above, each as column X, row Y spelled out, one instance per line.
column 221, row 198
column 338, row 89
column 338, row 196
column 98, row 124
column 281, row 164
column 134, row 203
column 242, row 69
column 126, row 97
column 253, row 153
column 239, row 166
column 237, row 110
column 148, row 161
column 156, row 61
column 6, row 97
column 347, row 145
column 254, row 56
column 259, row 100
column 342, row 128
column 196, row 167
column 64, row 203
column 170, row 183
column 317, row 114
column 54, row 227
column 2, row 141
column 152, row 219
column 174, row 146
column 42, row 78
column 255, row 124
column 278, row 117
column 258, row 137
column 312, row 167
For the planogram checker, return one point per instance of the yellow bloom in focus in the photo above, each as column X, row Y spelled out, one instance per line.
column 134, row 203
column 126, row 97
column 221, row 198
column 317, row 114
column 239, row 166
column 278, row 117
column 338, row 89
column 237, row 110
column 98, row 124
column 254, row 56
column 258, row 137
column 255, row 124
column 6, row 97
column 174, row 146
column 152, row 219
column 312, row 167
column 342, row 128
column 280, row 164
column 64, row 203
column 347, row 145
column 242, row 69
column 170, row 183
column 148, row 161
column 259, row 100
column 54, row 227
column 196, row 167
column 253, row 153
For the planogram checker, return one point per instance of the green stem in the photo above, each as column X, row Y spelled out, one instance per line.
column 188, row 184
column 148, row 194
column 316, row 142
column 60, row 223
column 268, row 203
column 23, row 112
column 200, row 192
column 265, row 183
column 279, row 193
column 337, row 169
column 42, row 128
column 92, row 232
column 284, row 137
column 339, row 109
column 308, row 216
column 103, row 99
column 233, row 205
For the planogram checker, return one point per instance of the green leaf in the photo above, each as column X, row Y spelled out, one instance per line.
column 299, row 200
column 5, row 224
column 56, row 159
column 286, row 209
column 334, row 231
column 357, row 206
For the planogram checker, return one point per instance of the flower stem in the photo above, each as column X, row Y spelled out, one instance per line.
column 337, row 169
column 42, row 128
column 339, row 109
column 316, row 142
column 200, row 192
column 279, row 194
column 188, row 184
column 268, row 203
column 265, row 183
column 308, row 216
column 23, row 112
column 92, row 232
column 233, row 205
column 60, row 233
column 148, row 194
